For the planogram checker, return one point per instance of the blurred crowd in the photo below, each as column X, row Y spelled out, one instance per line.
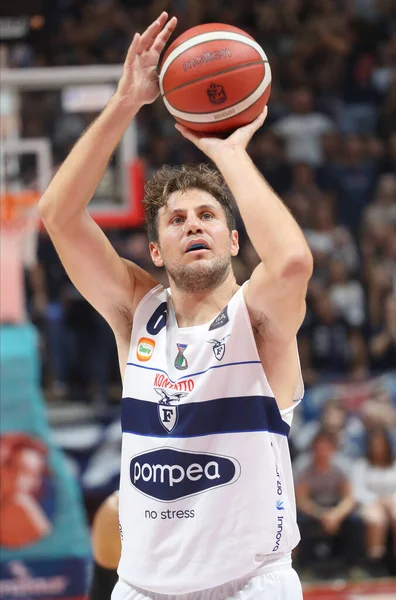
column 329, row 149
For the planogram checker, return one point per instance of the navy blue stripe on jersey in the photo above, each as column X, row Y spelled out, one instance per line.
column 194, row 419
column 234, row 364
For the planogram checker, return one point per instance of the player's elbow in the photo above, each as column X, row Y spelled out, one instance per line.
column 298, row 266
column 48, row 213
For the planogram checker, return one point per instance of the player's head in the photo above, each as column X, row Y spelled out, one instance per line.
column 189, row 207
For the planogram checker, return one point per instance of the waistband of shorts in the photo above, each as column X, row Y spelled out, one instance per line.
column 273, row 563
column 270, row 564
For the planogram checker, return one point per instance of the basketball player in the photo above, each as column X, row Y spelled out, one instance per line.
column 210, row 370
column 106, row 549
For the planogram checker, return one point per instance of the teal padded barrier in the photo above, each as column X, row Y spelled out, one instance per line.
column 59, row 558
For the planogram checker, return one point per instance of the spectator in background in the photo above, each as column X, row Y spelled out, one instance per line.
column 379, row 251
column 55, row 325
column 326, row 505
column 303, row 181
column 383, row 208
column 91, row 350
column 354, row 43
column 346, row 294
column 354, row 182
column 383, row 344
column 268, row 155
column 334, row 419
column 332, row 145
column 330, row 239
column 303, row 128
column 374, row 482
column 387, row 116
column 330, row 349
column 388, row 161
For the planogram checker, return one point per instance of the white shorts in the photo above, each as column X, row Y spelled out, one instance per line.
column 282, row 583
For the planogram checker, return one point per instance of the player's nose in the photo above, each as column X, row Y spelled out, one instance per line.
column 193, row 224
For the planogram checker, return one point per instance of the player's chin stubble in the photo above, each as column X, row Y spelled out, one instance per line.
column 200, row 276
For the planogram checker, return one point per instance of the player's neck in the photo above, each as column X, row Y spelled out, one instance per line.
column 193, row 309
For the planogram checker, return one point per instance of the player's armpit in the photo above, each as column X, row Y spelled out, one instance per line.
column 106, row 280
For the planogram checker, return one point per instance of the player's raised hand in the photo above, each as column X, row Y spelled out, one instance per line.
column 211, row 145
column 139, row 81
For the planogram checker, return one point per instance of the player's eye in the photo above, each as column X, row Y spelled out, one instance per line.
column 177, row 220
column 207, row 216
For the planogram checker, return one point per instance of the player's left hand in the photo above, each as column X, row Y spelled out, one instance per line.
column 212, row 145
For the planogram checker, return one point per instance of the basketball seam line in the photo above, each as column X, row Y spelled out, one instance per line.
column 234, row 68
column 228, row 107
column 198, row 44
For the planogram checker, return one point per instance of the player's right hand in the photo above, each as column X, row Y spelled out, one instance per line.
column 139, row 81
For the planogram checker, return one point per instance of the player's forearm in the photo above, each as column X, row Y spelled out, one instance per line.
column 75, row 182
column 274, row 233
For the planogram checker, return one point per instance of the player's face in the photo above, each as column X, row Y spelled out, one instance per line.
column 195, row 244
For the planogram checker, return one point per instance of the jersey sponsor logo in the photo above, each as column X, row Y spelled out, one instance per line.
column 219, row 347
column 279, row 489
column 168, row 474
column 278, row 536
column 279, row 505
column 168, row 414
column 181, row 361
column 162, row 381
column 220, row 320
column 169, row 392
column 145, row 349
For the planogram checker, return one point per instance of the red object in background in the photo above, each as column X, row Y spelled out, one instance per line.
column 367, row 590
column 132, row 215
column 23, row 470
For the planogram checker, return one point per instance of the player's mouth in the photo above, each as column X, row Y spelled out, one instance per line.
column 197, row 246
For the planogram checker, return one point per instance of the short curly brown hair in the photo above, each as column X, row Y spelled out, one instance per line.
column 184, row 177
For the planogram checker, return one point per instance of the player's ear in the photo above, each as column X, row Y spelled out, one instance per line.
column 156, row 254
column 234, row 242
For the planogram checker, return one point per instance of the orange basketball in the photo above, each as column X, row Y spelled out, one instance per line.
column 215, row 78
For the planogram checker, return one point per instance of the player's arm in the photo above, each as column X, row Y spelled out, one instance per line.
column 275, row 294
column 106, row 545
column 106, row 280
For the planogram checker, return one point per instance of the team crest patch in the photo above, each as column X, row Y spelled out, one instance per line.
column 145, row 349
column 220, row 320
column 181, row 361
column 167, row 412
column 219, row 347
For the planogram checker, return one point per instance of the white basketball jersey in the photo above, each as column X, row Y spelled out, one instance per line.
column 206, row 491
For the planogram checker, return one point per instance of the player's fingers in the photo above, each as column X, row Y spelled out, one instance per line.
column 188, row 134
column 256, row 124
column 147, row 38
column 164, row 35
column 260, row 119
column 130, row 57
